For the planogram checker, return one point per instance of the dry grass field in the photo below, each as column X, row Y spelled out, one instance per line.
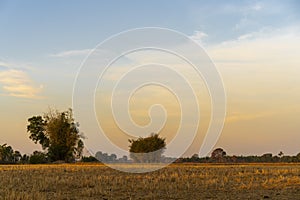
column 177, row 181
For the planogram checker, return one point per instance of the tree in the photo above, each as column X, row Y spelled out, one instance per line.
column 37, row 128
column 113, row 157
column 267, row 157
column 17, row 156
column 58, row 134
column 24, row 159
column 79, row 149
column 298, row 157
column 149, row 149
column 218, row 155
column 89, row 159
column 99, row 156
column 104, row 157
column 38, row 158
column 123, row 159
column 6, row 154
column 195, row 158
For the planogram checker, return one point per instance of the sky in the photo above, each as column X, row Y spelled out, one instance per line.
column 255, row 45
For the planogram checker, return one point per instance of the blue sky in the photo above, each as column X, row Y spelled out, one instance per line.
column 42, row 44
column 34, row 29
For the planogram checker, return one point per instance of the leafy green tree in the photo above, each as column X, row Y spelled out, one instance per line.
column 37, row 128
column 58, row 134
column 149, row 149
column 6, row 154
column 38, row 158
column 89, row 159
column 17, row 156
column 24, row 159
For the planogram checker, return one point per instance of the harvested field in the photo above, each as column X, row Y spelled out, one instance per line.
column 177, row 181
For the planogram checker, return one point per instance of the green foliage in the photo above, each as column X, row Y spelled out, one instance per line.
column 149, row 149
column 8, row 155
column 79, row 148
column 58, row 133
column 38, row 158
column 219, row 155
column 89, row 159
column 37, row 127
column 24, row 159
column 17, row 156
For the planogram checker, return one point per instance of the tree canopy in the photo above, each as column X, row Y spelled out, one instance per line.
column 149, row 149
column 8, row 155
column 58, row 134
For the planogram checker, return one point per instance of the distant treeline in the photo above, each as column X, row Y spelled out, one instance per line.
column 105, row 157
column 265, row 158
column 10, row 156
column 220, row 156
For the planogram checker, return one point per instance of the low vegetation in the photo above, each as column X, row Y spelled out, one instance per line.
column 177, row 181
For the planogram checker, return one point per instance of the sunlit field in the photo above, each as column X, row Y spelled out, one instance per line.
column 177, row 181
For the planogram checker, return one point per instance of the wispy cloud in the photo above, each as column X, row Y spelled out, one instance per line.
column 257, row 7
column 199, row 36
column 4, row 64
column 17, row 83
column 71, row 53
column 249, row 14
column 267, row 46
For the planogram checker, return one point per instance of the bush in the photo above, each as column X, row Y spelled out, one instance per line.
column 89, row 159
column 147, row 150
column 38, row 158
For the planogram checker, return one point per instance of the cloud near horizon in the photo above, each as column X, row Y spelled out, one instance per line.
column 71, row 53
column 17, row 83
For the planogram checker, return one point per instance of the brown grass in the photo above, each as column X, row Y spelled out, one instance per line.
column 177, row 181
